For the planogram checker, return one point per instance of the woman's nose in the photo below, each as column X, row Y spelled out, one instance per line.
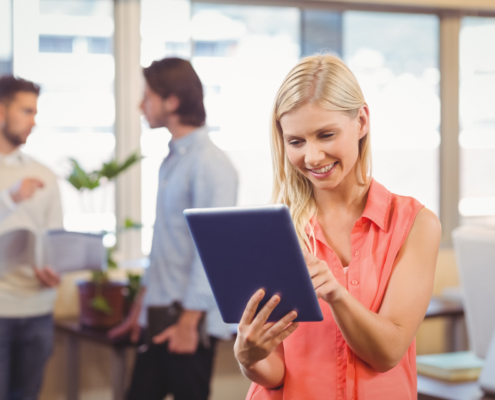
column 314, row 155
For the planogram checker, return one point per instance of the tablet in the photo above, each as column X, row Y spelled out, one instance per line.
column 244, row 249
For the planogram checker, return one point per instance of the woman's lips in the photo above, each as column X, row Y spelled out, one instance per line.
column 322, row 175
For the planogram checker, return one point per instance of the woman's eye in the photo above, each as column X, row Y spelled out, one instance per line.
column 294, row 142
column 327, row 135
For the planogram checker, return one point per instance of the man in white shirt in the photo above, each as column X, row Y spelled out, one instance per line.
column 29, row 199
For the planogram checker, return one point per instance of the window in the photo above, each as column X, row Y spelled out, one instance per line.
column 55, row 44
column 477, row 120
column 242, row 53
column 65, row 48
column 395, row 59
column 5, row 36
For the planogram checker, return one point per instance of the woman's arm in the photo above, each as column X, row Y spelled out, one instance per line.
column 258, row 347
column 269, row 372
column 382, row 339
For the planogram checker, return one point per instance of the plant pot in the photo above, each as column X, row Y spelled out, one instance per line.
column 112, row 292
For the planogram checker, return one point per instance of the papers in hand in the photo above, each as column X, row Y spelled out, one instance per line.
column 73, row 251
column 16, row 248
column 61, row 250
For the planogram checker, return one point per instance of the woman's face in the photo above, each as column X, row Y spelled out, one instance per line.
column 323, row 144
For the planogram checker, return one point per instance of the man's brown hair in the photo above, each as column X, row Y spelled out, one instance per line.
column 10, row 86
column 177, row 76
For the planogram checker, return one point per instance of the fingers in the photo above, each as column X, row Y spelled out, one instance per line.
column 25, row 189
column 319, row 280
column 36, row 183
column 52, row 275
column 308, row 257
column 47, row 276
column 281, row 325
column 119, row 330
column 251, row 307
column 265, row 312
column 287, row 332
column 39, row 275
column 163, row 336
column 42, row 276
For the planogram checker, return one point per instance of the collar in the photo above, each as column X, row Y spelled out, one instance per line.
column 14, row 159
column 183, row 144
column 378, row 205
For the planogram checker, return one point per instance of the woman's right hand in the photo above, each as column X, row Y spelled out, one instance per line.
column 256, row 339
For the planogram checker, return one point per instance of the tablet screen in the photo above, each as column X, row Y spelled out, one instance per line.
column 244, row 249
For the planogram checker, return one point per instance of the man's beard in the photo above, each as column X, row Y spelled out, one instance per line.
column 12, row 138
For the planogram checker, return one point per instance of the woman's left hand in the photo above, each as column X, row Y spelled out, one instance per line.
column 326, row 286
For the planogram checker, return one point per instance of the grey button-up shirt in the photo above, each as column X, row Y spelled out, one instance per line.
column 195, row 174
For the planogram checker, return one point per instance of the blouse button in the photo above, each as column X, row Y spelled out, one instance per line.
column 356, row 253
column 354, row 282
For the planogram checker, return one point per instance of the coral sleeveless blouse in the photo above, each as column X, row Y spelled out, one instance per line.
column 319, row 364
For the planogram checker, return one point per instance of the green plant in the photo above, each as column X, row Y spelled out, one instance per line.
column 99, row 302
column 83, row 180
column 87, row 181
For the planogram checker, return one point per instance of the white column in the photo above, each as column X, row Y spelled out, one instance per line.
column 128, row 92
column 450, row 26
column 25, row 38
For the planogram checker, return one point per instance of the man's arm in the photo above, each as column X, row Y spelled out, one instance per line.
column 53, row 220
column 17, row 193
column 215, row 185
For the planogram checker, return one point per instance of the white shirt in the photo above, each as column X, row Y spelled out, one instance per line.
column 21, row 294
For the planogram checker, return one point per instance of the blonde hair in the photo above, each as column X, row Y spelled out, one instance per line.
column 326, row 81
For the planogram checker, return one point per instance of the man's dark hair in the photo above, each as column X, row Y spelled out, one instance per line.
column 10, row 86
column 177, row 76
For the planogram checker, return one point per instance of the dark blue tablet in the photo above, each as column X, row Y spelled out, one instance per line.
column 244, row 249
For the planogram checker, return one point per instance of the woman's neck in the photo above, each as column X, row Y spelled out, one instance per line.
column 349, row 196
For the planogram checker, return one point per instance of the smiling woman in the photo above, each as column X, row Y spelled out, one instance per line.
column 320, row 89
column 373, row 253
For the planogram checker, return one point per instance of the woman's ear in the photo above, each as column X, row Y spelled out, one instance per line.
column 363, row 118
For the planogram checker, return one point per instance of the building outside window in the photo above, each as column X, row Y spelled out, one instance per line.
column 66, row 47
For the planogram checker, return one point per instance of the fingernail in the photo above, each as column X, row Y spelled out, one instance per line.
column 260, row 293
column 293, row 314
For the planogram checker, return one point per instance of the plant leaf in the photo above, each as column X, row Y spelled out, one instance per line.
column 99, row 303
column 113, row 168
column 81, row 179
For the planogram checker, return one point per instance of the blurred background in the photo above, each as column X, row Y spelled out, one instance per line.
column 427, row 70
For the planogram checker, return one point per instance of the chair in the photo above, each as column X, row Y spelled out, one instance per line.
column 474, row 248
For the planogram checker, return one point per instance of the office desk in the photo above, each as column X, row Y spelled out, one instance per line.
column 75, row 332
column 440, row 307
column 453, row 311
column 434, row 389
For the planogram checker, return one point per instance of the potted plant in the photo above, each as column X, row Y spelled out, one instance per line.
column 104, row 303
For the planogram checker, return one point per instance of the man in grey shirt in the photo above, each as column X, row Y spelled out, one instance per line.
column 195, row 174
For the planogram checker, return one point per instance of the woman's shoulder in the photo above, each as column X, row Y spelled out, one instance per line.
column 427, row 223
column 414, row 215
column 401, row 210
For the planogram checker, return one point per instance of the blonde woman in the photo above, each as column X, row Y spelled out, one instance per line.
column 371, row 254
